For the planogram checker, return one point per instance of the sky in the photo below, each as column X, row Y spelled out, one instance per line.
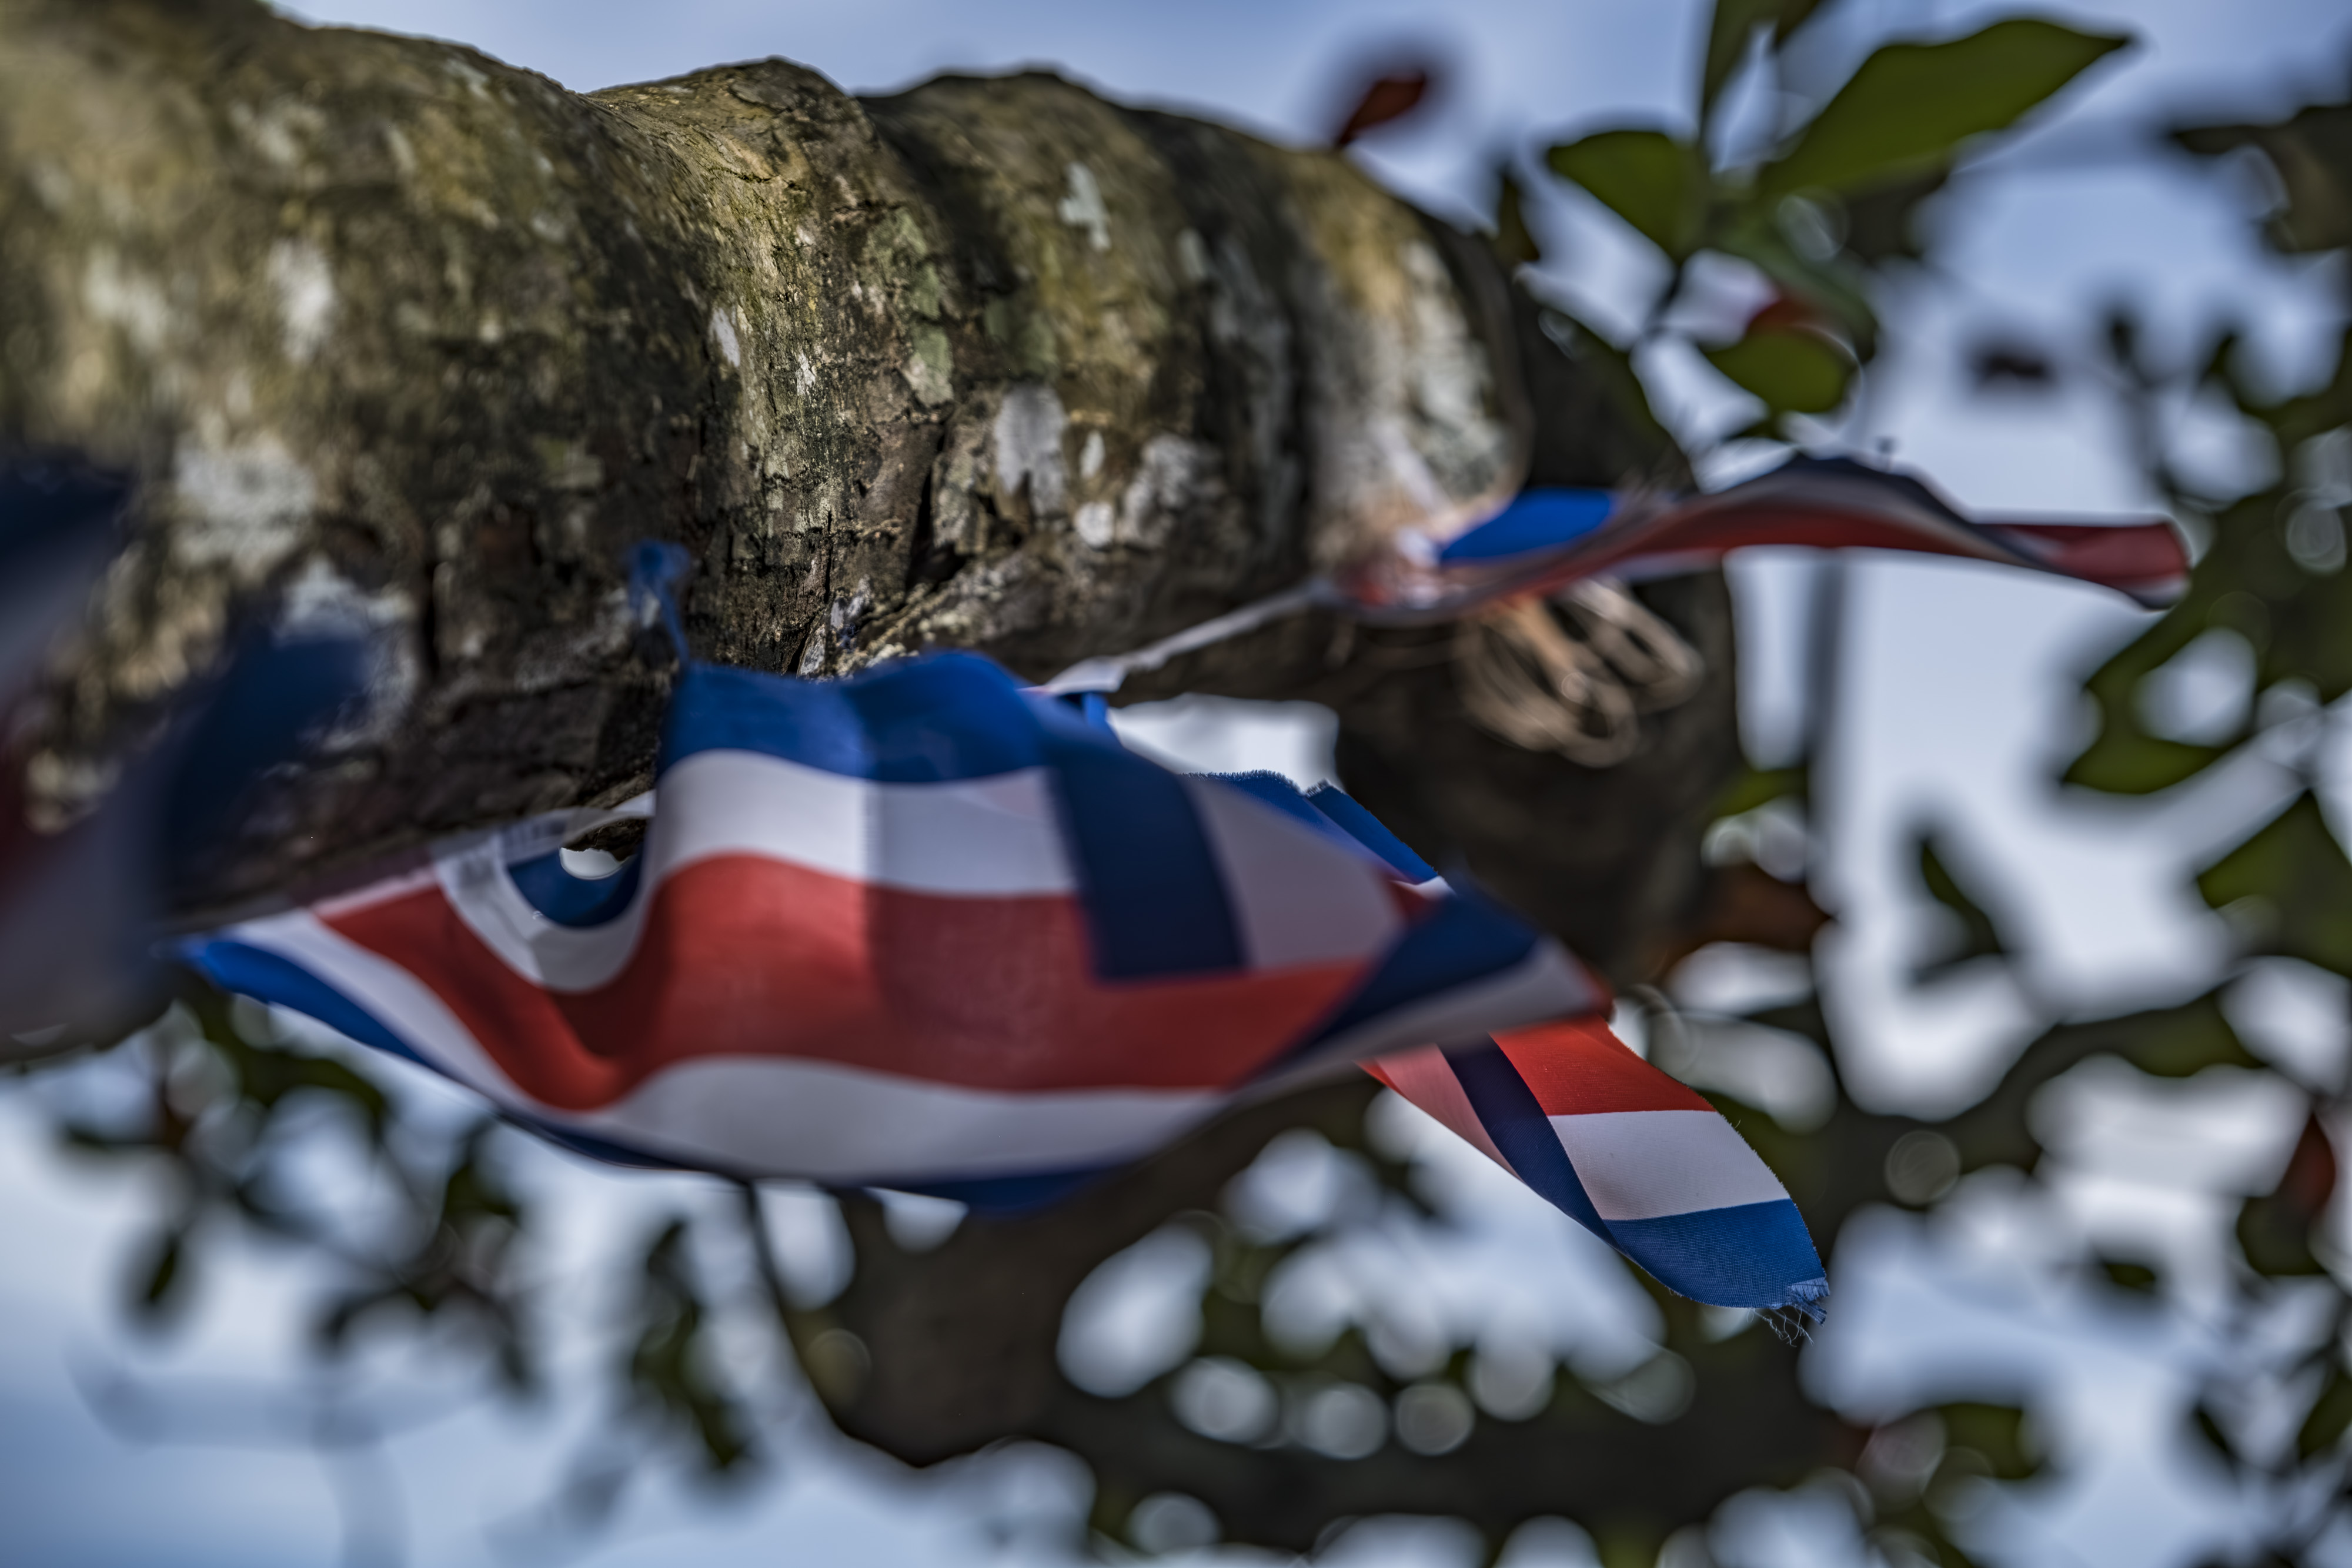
column 1957, row 702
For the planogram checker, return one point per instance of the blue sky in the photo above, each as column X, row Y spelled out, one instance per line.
column 1959, row 702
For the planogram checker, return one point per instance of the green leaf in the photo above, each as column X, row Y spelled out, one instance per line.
column 1760, row 786
column 672, row 1364
column 1734, row 24
column 1835, row 288
column 1514, row 242
column 2330, row 1414
column 2294, row 875
column 2123, row 758
column 2125, row 761
column 1909, row 108
column 2275, row 1237
column 1656, row 183
column 1882, row 223
column 1996, row 1431
column 2311, row 154
column 2276, row 1228
column 1980, row 938
column 1793, row 371
column 2166, row 1042
column 2180, row 1042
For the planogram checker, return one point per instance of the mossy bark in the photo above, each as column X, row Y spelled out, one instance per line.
column 395, row 333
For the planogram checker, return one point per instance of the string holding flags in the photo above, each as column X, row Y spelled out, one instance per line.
column 1548, row 540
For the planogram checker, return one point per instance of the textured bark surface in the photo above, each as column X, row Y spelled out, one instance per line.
column 397, row 334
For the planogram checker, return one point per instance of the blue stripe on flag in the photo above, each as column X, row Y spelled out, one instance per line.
column 576, row 901
column 1753, row 1255
column 1535, row 520
column 1369, row 831
column 1460, row 941
column 1155, row 900
column 265, row 711
column 1276, row 791
column 43, row 503
column 265, row 978
column 605, row 1149
column 935, row 719
column 1506, row 1108
column 1011, row 1195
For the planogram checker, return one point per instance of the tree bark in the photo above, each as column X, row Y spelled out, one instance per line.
column 394, row 332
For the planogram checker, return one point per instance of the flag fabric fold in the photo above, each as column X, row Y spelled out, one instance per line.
column 923, row 929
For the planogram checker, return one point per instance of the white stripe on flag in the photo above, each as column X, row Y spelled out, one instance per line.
column 976, row 837
column 1641, row 1164
column 836, row 1123
column 383, row 990
column 478, row 886
column 971, row 839
column 1298, row 896
column 859, row 1127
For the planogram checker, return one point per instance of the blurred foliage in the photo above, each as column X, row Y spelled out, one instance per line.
column 672, row 1369
column 2290, row 887
column 226, row 1115
column 1977, row 937
column 2310, row 154
column 2270, row 572
column 942, row 1349
column 1832, row 198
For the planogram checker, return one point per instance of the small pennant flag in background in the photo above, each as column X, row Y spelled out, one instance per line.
column 1548, row 538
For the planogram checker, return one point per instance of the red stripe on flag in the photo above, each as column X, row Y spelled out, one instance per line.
column 1712, row 529
column 2129, row 557
column 1577, row 1068
column 742, row 955
column 1426, row 1079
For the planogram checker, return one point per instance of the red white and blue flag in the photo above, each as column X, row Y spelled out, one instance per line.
column 1640, row 1160
column 1548, row 538
column 925, row 930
